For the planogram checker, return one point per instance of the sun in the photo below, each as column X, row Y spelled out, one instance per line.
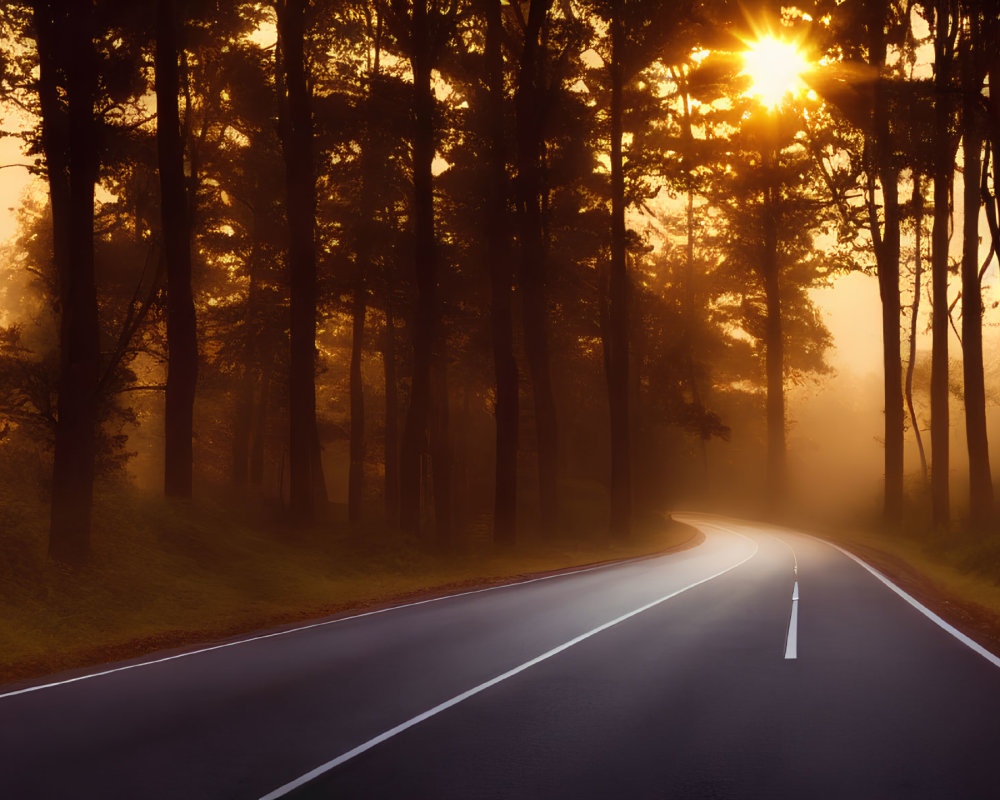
column 775, row 68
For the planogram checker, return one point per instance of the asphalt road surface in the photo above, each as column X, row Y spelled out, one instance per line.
column 691, row 675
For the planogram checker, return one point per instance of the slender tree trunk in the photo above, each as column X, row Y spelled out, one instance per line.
column 918, row 225
column 687, row 135
column 391, row 445
column 774, row 344
column 530, row 136
column 943, row 172
column 182, row 338
column 441, row 455
column 886, row 245
column 618, row 388
column 305, row 466
column 980, row 479
column 498, row 246
column 689, row 328
column 244, row 418
column 991, row 199
column 65, row 47
column 260, row 423
column 425, row 329
column 891, row 351
column 356, row 474
column 242, row 428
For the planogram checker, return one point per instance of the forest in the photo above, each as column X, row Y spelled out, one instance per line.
column 486, row 271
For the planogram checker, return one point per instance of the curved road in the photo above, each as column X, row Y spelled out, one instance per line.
column 761, row 663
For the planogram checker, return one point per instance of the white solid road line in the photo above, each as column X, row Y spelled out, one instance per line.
column 321, row 624
column 792, row 640
column 301, row 781
column 968, row 642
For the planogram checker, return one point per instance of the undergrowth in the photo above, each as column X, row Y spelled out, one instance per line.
column 164, row 574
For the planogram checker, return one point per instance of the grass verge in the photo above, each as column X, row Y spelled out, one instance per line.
column 166, row 575
column 958, row 579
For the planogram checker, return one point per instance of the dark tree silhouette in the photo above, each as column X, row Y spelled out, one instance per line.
column 362, row 270
column 883, row 167
column 944, row 168
column 182, row 343
column 530, row 105
column 498, row 236
column 67, row 88
column 305, row 468
column 918, row 271
column 618, row 357
column 980, row 479
column 424, row 28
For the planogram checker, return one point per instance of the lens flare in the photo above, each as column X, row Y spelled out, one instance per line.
column 774, row 67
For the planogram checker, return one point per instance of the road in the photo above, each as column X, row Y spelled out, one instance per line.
column 679, row 676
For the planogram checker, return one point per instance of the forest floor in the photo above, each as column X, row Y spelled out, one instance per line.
column 167, row 575
column 957, row 578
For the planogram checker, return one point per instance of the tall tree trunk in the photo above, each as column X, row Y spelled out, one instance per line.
column 501, row 279
column 618, row 387
column 260, row 423
column 886, row 244
column 687, row 138
column 67, row 59
column 530, row 136
column 243, row 423
column 242, row 427
column 943, row 172
column 425, row 329
column 892, row 350
column 305, row 466
column 182, row 338
column 356, row 473
column 918, row 225
column 980, row 479
column 774, row 344
column 441, row 455
column 391, row 442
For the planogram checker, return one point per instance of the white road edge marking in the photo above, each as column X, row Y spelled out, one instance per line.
column 301, row 781
column 949, row 628
column 324, row 623
column 792, row 640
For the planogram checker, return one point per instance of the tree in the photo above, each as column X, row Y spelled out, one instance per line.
column 363, row 267
column 531, row 102
column 182, row 344
column 918, row 270
column 883, row 171
column 943, row 172
column 67, row 88
column 426, row 30
column 498, row 235
column 618, row 357
column 973, row 72
column 305, row 466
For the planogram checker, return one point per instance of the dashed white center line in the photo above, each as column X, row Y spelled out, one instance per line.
column 792, row 640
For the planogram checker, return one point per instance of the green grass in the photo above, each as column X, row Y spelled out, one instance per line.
column 167, row 574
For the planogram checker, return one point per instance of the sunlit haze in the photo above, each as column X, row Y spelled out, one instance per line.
column 397, row 397
column 775, row 67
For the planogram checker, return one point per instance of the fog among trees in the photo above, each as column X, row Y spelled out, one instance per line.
column 489, row 271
